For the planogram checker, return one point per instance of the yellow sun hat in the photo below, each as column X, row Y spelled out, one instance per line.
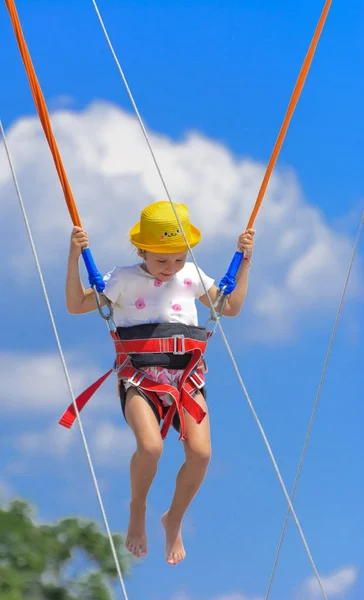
column 158, row 229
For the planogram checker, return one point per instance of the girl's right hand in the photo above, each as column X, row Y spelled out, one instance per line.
column 79, row 241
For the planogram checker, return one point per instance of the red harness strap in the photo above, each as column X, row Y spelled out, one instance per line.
column 191, row 380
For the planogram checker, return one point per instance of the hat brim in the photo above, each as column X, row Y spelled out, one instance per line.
column 166, row 247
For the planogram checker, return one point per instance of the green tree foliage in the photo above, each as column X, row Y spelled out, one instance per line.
column 68, row 560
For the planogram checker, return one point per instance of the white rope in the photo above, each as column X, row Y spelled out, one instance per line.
column 63, row 361
column 212, row 307
column 315, row 405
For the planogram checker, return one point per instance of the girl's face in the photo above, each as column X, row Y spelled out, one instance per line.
column 164, row 266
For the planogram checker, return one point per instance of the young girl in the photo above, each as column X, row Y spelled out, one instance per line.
column 160, row 290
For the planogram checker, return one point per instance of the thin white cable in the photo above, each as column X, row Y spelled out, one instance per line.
column 141, row 123
column 315, row 405
column 211, row 304
column 63, row 361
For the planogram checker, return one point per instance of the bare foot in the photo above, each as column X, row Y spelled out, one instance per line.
column 136, row 539
column 175, row 551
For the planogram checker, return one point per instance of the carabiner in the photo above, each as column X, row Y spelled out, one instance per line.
column 212, row 318
column 109, row 313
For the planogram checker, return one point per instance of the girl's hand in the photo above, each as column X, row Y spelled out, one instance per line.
column 79, row 241
column 246, row 243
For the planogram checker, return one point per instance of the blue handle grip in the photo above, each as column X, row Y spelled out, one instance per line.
column 229, row 280
column 94, row 275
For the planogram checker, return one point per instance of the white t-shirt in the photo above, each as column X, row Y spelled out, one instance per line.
column 139, row 298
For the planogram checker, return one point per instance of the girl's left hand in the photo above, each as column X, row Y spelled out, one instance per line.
column 246, row 242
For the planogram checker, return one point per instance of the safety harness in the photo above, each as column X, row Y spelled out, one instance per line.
column 156, row 345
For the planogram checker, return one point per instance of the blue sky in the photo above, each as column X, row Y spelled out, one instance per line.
column 212, row 82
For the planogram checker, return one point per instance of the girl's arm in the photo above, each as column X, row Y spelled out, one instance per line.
column 236, row 299
column 78, row 300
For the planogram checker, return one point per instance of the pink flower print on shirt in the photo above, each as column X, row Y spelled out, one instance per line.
column 176, row 307
column 187, row 282
column 140, row 303
column 158, row 283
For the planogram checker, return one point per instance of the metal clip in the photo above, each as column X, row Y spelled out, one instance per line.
column 108, row 314
column 215, row 319
column 136, row 379
column 197, row 380
column 175, row 344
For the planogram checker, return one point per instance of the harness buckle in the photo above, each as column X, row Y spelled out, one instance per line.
column 197, row 380
column 176, row 344
column 136, row 379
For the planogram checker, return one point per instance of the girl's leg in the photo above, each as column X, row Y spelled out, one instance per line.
column 143, row 467
column 189, row 479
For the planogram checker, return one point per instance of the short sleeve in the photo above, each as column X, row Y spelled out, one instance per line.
column 208, row 283
column 112, row 285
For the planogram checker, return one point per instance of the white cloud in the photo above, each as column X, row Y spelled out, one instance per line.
column 110, row 446
column 295, row 269
column 335, row 584
column 55, row 441
column 34, row 381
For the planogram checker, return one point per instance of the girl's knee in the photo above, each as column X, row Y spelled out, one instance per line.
column 150, row 449
column 199, row 453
